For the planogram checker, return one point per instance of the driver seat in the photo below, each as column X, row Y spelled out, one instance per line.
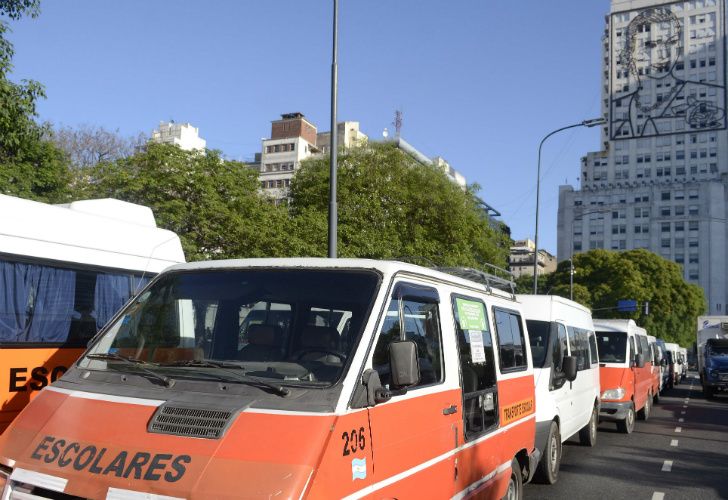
column 316, row 343
column 264, row 344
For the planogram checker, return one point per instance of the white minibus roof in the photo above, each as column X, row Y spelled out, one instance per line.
column 109, row 233
column 618, row 325
column 555, row 308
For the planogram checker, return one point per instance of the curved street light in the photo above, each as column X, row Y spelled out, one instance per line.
column 594, row 122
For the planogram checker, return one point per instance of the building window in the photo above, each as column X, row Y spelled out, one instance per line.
column 665, row 243
column 693, row 225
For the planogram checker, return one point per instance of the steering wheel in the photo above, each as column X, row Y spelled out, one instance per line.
column 322, row 350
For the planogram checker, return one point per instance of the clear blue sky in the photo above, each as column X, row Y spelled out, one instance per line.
column 479, row 82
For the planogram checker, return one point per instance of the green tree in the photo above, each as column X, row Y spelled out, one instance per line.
column 30, row 166
column 211, row 203
column 602, row 278
column 392, row 207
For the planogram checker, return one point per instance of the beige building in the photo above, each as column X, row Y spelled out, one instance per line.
column 520, row 261
column 348, row 136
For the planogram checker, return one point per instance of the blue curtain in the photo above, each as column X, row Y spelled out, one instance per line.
column 112, row 292
column 17, row 282
column 53, row 305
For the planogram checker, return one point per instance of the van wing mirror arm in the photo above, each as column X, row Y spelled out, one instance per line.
column 376, row 393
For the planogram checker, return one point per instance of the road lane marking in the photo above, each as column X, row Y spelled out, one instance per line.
column 678, row 429
column 681, row 420
column 682, row 412
column 667, row 466
column 658, row 495
column 673, row 442
column 685, row 406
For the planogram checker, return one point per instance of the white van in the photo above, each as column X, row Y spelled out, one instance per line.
column 561, row 332
column 675, row 363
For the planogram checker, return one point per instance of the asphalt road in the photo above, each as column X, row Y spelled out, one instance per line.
column 664, row 458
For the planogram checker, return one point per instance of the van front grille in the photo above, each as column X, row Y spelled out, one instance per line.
column 190, row 422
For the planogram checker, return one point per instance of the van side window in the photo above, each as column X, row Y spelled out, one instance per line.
column 631, row 350
column 593, row 349
column 418, row 312
column 579, row 341
column 645, row 348
column 477, row 365
column 511, row 342
column 560, row 348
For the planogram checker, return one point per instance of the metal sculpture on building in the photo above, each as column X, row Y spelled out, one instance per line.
column 650, row 94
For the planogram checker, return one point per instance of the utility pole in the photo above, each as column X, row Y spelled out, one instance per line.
column 333, row 209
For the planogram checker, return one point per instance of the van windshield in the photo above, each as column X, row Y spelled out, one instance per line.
column 612, row 347
column 718, row 350
column 292, row 326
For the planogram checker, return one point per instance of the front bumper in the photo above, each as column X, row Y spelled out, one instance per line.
column 614, row 411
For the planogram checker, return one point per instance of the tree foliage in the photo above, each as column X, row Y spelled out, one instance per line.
column 603, row 277
column 392, row 207
column 30, row 166
column 211, row 203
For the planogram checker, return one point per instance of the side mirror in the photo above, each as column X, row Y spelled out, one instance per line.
column 404, row 364
column 663, row 362
column 639, row 361
column 569, row 368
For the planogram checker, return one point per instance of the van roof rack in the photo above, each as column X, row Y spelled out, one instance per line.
column 489, row 280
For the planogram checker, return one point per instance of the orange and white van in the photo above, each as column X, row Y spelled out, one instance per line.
column 359, row 379
column 65, row 270
column 625, row 372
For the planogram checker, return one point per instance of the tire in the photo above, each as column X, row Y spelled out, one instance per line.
column 547, row 471
column 644, row 413
column 708, row 392
column 627, row 425
column 588, row 435
column 515, row 484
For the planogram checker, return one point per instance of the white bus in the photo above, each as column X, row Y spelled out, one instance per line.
column 64, row 272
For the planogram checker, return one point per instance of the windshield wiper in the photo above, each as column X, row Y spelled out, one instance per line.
column 238, row 377
column 167, row 381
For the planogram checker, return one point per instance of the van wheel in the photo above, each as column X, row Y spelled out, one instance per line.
column 515, row 484
column 547, row 471
column 588, row 435
column 644, row 413
column 708, row 392
column 627, row 425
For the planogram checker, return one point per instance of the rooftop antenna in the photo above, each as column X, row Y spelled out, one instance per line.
column 397, row 122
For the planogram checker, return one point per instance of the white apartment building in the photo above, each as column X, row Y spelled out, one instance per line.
column 183, row 135
column 659, row 181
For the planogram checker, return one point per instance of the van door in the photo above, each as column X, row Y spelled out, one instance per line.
column 633, row 374
column 562, row 389
column 478, row 384
column 582, row 397
column 422, row 422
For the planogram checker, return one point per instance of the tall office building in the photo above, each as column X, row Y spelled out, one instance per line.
column 660, row 180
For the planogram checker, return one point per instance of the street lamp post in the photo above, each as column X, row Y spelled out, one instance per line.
column 333, row 209
column 586, row 123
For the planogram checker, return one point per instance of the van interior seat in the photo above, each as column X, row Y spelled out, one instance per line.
column 317, row 343
column 264, row 344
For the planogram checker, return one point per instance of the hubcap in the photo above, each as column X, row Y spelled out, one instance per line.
column 511, row 489
column 554, row 452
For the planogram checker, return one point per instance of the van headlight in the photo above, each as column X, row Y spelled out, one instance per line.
column 617, row 393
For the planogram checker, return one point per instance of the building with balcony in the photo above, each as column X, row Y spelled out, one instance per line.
column 520, row 261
